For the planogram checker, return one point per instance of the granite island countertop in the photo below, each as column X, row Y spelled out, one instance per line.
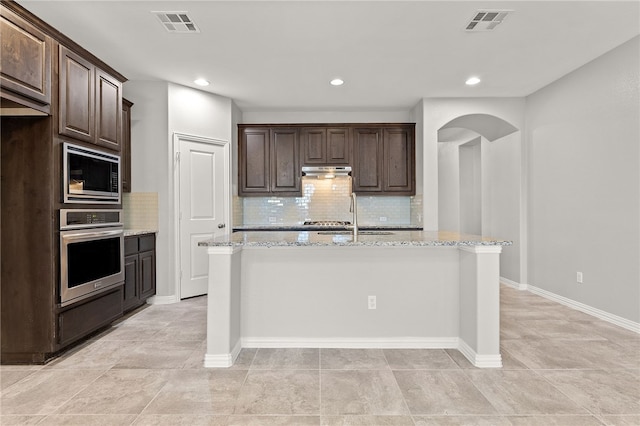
column 345, row 238
column 128, row 232
column 322, row 227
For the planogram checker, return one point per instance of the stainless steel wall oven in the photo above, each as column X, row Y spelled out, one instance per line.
column 91, row 253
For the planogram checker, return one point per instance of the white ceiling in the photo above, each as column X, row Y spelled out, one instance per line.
column 280, row 55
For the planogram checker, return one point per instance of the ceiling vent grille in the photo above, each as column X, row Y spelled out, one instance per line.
column 487, row 20
column 177, row 22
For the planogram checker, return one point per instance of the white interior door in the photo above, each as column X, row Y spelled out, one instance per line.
column 203, row 210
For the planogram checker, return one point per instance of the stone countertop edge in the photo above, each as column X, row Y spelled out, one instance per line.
column 132, row 232
column 299, row 228
column 306, row 239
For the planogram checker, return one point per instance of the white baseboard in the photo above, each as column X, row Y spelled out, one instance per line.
column 222, row 360
column 513, row 284
column 480, row 361
column 598, row 313
column 162, row 300
column 352, row 343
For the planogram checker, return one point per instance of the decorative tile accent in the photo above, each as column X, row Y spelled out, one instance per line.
column 327, row 199
column 140, row 210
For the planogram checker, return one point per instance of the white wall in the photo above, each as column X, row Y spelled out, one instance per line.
column 583, row 134
column 275, row 117
column 161, row 109
column 501, row 161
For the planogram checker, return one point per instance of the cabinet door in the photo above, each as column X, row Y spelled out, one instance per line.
column 25, row 63
column 131, row 296
column 108, row 111
column 338, row 146
column 285, row 169
column 314, row 146
column 125, row 146
column 253, row 158
column 367, row 159
column 147, row 261
column 77, row 96
column 399, row 176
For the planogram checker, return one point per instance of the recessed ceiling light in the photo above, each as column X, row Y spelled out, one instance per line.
column 201, row 82
column 472, row 81
column 337, row 82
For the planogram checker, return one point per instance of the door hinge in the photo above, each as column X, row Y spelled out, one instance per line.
column 178, row 156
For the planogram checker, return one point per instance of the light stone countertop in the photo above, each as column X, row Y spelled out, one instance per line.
column 132, row 232
column 345, row 238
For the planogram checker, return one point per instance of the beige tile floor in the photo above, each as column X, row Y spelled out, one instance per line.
column 561, row 367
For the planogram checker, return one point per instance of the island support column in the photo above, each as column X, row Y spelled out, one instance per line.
column 480, row 305
column 223, row 307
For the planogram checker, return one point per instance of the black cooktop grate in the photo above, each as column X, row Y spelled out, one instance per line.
column 327, row 222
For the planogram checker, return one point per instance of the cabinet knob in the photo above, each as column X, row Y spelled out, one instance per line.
column 221, row 225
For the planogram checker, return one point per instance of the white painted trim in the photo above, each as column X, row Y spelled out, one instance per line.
column 162, row 300
column 598, row 313
column 481, row 249
column 223, row 361
column 223, row 249
column 355, row 342
column 513, row 284
column 480, row 361
column 177, row 137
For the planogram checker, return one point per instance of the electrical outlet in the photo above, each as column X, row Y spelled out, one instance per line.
column 372, row 302
column 383, row 218
column 272, row 219
column 579, row 277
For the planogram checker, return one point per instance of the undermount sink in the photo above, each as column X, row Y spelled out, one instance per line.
column 359, row 233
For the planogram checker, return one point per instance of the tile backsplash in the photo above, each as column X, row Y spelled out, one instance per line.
column 140, row 210
column 327, row 199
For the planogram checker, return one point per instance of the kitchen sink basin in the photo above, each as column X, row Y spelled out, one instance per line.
column 359, row 232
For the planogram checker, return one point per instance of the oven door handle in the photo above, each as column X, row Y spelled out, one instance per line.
column 99, row 234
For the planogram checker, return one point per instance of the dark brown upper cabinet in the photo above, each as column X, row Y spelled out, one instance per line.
column 268, row 161
column 285, row 166
column 25, row 62
column 325, row 146
column 90, row 102
column 367, row 159
column 384, row 159
column 125, row 152
column 398, row 158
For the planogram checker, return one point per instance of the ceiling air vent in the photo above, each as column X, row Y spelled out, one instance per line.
column 177, row 22
column 487, row 20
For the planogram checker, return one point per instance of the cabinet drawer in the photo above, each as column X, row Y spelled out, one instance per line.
column 147, row 242
column 130, row 245
column 79, row 321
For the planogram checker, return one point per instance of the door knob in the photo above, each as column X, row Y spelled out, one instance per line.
column 221, row 225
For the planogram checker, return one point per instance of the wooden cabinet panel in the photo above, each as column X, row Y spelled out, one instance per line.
column 325, row 146
column 108, row 111
column 77, row 103
column 254, row 161
column 285, row 169
column 314, row 146
column 338, row 146
column 25, row 63
column 125, row 146
column 399, row 161
column 367, row 158
column 147, row 274
column 140, row 270
column 131, row 296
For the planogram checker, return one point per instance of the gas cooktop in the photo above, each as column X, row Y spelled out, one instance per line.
column 327, row 222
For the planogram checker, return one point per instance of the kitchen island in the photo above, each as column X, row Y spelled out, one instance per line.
column 400, row 289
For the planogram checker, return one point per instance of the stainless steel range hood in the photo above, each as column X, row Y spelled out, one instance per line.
column 326, row 172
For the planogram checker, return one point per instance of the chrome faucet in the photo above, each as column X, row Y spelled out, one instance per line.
column 354, row 209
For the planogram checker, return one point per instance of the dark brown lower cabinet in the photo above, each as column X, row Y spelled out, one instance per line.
column 139, row 270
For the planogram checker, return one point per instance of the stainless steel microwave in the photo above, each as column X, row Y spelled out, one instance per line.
column 90, row 176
